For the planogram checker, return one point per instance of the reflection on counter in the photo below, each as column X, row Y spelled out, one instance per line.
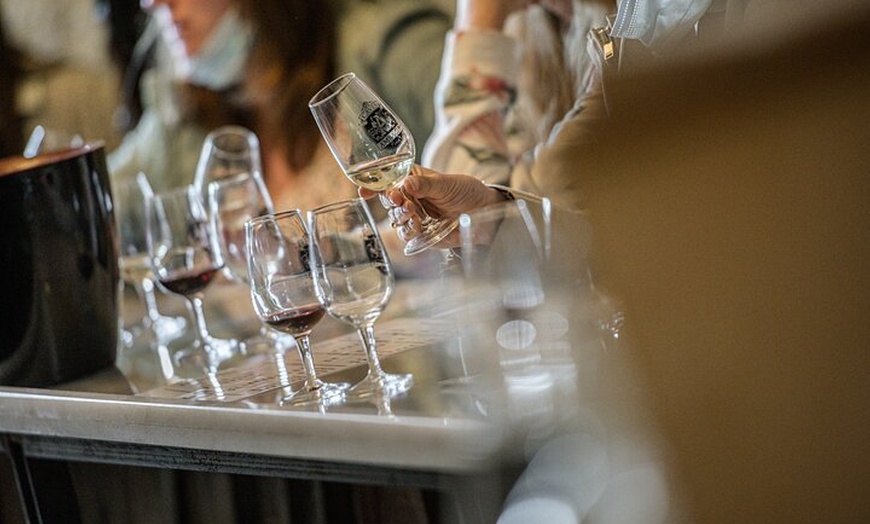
column 538, row 360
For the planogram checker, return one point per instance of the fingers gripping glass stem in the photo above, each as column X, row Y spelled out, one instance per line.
column 373, row 147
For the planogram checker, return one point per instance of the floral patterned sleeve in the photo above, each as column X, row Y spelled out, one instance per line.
column 477, row 133
column 475, row 92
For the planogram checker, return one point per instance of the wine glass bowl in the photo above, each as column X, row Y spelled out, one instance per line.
column 283, row 295
column 234, row 200
column 354, row 281
column 227, row 151
column 185, row 258
column 373, row 147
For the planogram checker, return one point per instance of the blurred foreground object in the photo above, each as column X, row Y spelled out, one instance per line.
column 731, row 219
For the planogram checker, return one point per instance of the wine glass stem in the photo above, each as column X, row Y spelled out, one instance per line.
column 419, row 210
column 304, row 347
column 147, row 288
column 367, row 336
column 198, row 313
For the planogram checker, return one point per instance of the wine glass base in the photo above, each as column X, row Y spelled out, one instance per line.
column 460, row 382
column 386, row 384
column 266, row 344
column 167, row 329
column 325, row 393
column 436, row 232
column 205, row 358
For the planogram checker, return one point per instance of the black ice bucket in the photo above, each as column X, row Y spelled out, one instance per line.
column 59, row 280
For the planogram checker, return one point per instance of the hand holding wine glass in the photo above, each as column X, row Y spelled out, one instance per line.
column 354, row 281
column 282, row 290
column 373, row 147
column 185, row 258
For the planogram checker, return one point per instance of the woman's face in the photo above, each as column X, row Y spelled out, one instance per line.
column 191, row 21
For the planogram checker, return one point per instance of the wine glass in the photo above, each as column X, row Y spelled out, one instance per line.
column 282, row 290
column 504, row 274
column 373, row 147
column 42, row 140
column 354, row 281
column 185, row 258
column 227, row 151
column 130, row 197
column 502, row 245
column 234, row 200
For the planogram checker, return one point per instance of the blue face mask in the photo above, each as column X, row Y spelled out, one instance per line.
column 221, row 63
column 659, row 24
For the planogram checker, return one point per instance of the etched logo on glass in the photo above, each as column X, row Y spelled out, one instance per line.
column 380, row 125
column 305, row 253
column 374, row 253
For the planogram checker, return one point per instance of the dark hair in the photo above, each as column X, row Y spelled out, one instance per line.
column 293, row 56
column 126, row 22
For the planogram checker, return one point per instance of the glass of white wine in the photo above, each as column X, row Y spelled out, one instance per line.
column 373, row 147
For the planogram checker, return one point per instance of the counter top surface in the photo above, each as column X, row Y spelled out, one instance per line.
column 239, row 409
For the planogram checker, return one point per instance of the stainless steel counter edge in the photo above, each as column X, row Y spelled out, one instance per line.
column 451, row 445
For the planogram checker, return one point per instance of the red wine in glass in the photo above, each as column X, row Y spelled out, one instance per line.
column 297, row 321
column 189, row 283
column 283, row 294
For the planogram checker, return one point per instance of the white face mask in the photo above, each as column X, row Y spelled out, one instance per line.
column 659, row 24
column 221, row 63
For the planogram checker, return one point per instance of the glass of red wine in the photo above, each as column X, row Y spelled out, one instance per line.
column 185, row 257
column 282, row 290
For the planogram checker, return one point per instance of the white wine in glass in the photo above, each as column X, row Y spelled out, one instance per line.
column 382, row 174
column 373, row 147
column 130, row 198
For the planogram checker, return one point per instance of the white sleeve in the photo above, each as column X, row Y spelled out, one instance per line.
column 476, row 89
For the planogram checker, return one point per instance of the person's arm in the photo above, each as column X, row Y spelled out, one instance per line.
column 476, row 90
column 475, row 97
column 551, row 169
